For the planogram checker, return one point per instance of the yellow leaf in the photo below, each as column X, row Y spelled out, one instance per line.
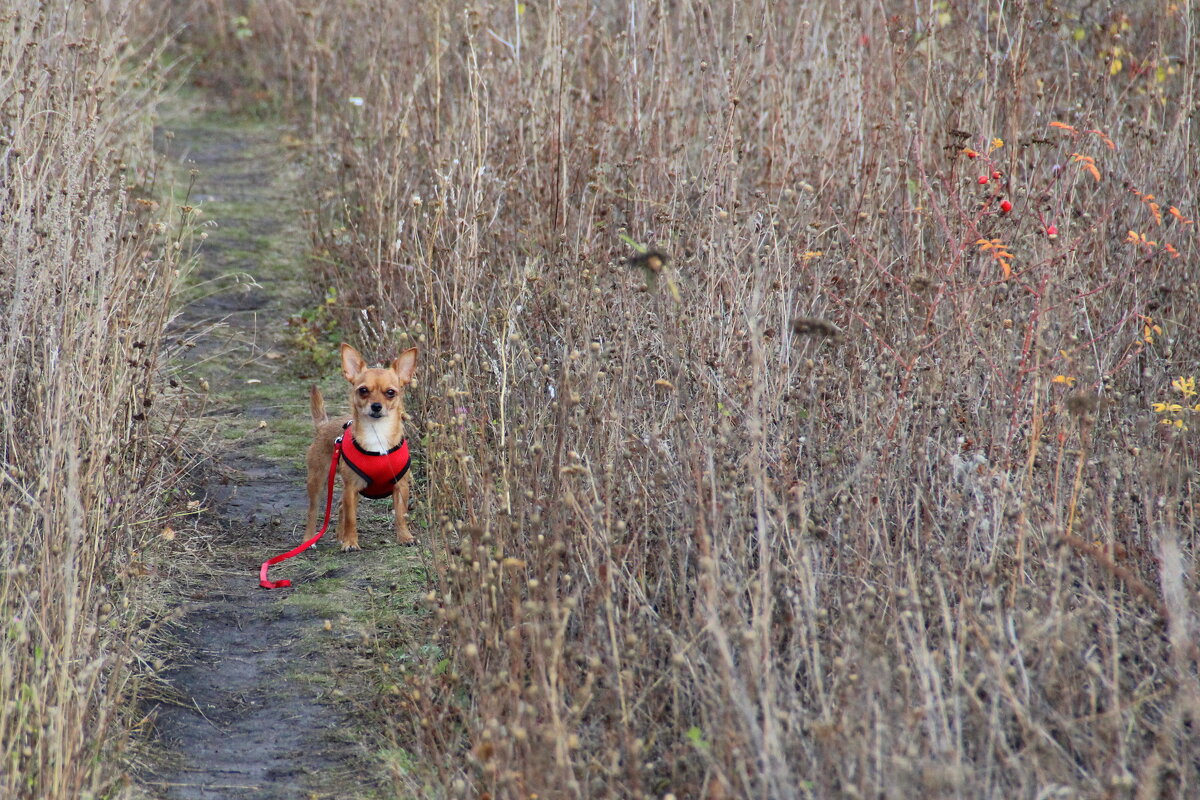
column 1115, row 67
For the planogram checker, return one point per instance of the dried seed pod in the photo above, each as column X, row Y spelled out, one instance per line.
column 1082, row 403
column 652, row 261
column 812, row 326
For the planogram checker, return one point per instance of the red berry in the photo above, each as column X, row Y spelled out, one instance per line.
column 983, row 179
column 996, row 175
column 1005, row 206
column 1052, row 232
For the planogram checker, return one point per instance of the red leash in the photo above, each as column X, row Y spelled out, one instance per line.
column 262, row 573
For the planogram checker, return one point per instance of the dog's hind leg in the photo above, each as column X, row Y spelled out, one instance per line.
column 400, row 504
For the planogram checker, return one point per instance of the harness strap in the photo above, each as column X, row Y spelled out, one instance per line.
column 262, row 572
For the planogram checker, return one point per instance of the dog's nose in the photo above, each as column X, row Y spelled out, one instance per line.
column 376, row 408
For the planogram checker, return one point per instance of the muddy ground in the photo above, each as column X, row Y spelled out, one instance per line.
column 270, row 693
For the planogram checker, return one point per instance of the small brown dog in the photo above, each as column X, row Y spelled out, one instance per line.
column 374, row 451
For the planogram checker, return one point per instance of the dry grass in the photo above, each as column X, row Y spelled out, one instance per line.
column 862, row 492
column 83, row 288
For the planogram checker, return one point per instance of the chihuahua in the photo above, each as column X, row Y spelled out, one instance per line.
column 375, row 455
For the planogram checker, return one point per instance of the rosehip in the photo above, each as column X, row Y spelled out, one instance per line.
column 1005, row 206
column 996, row 175
column 1052, row 232
column 983, row 179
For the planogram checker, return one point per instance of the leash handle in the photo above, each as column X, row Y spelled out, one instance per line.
column 262, row 572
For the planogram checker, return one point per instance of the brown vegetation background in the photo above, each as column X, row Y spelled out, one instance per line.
column 873, row 488
column 864, row 492
column 87, row 262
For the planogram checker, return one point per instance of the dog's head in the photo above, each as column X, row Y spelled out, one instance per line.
column 377, row 392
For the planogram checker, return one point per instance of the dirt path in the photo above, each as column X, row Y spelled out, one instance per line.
column 261, row 704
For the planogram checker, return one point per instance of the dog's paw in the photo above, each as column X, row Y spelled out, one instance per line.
column 349, row 548
column 406, row 541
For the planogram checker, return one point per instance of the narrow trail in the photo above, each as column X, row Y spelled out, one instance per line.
column 255, row 709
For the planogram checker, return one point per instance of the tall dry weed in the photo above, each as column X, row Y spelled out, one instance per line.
column 862, row 492
column 84, row 282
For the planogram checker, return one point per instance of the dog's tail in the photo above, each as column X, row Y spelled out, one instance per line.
column 317, row 403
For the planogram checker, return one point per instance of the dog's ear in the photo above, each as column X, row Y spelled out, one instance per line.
column 405, row 364
column 352, row 362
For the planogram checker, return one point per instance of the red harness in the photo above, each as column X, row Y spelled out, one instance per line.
column 381, row 471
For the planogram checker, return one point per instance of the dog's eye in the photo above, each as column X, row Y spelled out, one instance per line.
column 363, row 391
column 391, row 392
